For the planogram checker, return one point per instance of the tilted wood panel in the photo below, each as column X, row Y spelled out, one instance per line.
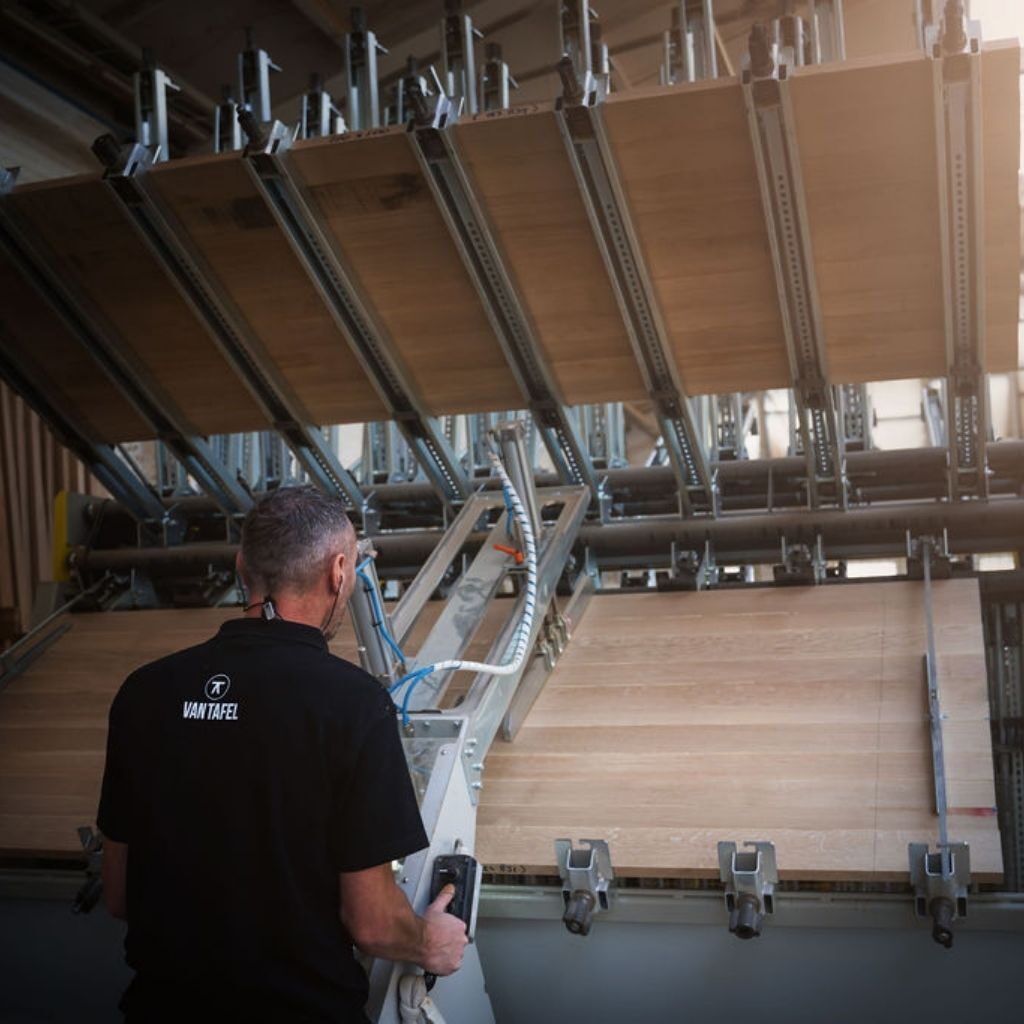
column 43, row 344
column 798, row 716
column 866, row 137
column 103, row 257
column 216, row 201
column 687, row 168
column 384, row 220
column 1000, row 95
column 522, row 175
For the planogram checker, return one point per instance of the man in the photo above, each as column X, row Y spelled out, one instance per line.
column 254, row 797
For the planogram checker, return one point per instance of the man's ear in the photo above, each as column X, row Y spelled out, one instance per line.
column 339, row 568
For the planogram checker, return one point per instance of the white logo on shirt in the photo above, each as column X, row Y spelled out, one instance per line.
column 217, row 686
column 216, row 689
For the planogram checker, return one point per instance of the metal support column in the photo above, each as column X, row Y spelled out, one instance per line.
column 771, row 121
column 856, row 413
column 458, row 55
column 362, row 86
column 955, row 49
column 112, row 355
column 496, row 81
column 150, row 86
column 227, row 133
column 267, row 161
column 226, row 325
column 320, row 116
column 828, row 31
column 582, row 127
column 444, row 169
column 254, row 67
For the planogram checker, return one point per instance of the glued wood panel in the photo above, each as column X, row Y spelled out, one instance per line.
column 53, row 719
column 674, row 721
column 216, row 201
column 52, row 354
column 687, row 169
column 96, row 247
column 871, row 187
column 377, row 205
column 1000, row 96
column 523, row 178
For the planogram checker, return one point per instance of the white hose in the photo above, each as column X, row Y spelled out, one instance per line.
column 521, row 638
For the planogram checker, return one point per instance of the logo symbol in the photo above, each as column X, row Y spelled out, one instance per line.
column 216, row 686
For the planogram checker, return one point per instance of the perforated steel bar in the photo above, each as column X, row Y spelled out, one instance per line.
column 301, row 223
column 955, row 49
column 444, row 169
column 776, row 155
column 596, row 174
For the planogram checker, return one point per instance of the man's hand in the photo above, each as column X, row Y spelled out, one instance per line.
column 377, row 916
column 445, row 936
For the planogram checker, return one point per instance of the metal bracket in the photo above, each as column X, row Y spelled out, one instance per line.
column 590, row 155
column 587, row 875
column 445, row 171
column 310, row 240
column 770, row 118
column 940, row 882
column 320, row 115
column 690, row 45
column 360, row 62
column 801, row 563
column 750, row 877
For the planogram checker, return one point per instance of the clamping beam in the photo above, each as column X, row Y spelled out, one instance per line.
column 169, row 243
column 266, row 159
column 111, row 354
column 443, row 167
column 582, row 126
column 771, row 120
column 955, row 49
column 99, row 458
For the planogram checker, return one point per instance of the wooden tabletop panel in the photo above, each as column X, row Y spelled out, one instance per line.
column 871, row 187
column 218, row 204
column 1000, row 93
column 102, row 256
column 522, row 176
column 376, row 203
column 686, row 163
column 797, row 715
column 53, row 355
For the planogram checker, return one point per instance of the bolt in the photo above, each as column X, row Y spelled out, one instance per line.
column 476, row 785
column 479, row 767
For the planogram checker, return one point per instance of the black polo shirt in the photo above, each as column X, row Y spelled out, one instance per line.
column 244, row 774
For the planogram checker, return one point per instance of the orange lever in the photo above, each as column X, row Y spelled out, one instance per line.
column 517, row 555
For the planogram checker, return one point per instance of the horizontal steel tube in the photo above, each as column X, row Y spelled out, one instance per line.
column 974, row 526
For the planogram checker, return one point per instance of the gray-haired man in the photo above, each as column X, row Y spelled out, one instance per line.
column 255, row 795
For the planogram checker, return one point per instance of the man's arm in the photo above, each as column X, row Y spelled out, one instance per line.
column 380, row 921
column 114, row 872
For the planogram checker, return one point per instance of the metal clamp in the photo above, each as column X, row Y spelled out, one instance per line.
column 940, row 881
column 587, row 874
column 750, row 877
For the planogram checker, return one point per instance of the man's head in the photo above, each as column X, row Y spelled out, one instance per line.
column 299, row 547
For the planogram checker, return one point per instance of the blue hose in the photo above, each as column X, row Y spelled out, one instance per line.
column 378, row 611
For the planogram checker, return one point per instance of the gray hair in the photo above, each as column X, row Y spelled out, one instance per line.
column 288, row 537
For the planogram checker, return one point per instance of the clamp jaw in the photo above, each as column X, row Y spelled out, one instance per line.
column 587, row 875
column 940, row 881
column 750, row 877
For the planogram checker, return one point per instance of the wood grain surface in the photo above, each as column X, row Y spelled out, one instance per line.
column 799, row 716
column 377, row 204
column 522, row 175
column 52, row 355
column 672, row 721
column 100, row 253
column 216, row 201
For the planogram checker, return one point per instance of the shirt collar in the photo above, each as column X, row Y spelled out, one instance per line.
column 277, row 630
